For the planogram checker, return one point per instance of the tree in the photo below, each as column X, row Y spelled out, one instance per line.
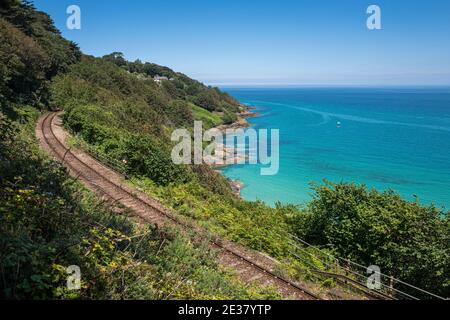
column 32, row 52
column 206, row 101
column 116, row 58
column 23, row 65
column 180, row 113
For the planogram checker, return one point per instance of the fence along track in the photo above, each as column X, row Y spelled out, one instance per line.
column 117, row 193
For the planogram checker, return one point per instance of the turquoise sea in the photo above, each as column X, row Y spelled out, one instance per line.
column 396, row 138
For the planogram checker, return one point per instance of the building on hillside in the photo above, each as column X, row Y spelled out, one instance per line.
column 159, row 79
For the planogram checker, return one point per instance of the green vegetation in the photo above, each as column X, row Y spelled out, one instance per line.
column 178, row 85
column 209, row 119
column 32, row 51
column 251, row 223
column 407, row 241
column 48, row 221
column 115, row 109
column 129, row 119
column 136, row 135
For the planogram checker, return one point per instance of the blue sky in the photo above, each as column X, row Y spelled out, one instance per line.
column 320, row 42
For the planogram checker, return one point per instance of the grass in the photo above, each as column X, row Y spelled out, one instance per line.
column 209, row 119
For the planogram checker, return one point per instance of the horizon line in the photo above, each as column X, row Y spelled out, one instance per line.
column 328, row 85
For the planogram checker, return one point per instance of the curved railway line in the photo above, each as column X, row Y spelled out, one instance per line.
column 247, row 266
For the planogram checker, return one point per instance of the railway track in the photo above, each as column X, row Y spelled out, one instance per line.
column 249, row 267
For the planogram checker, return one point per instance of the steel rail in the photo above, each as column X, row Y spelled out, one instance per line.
column 67, row 151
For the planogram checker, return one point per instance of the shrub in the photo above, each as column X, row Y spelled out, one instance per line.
column 145, row 158
column 406, row 240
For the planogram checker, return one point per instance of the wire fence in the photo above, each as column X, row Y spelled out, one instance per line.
column 321, row 263
column 388, row 284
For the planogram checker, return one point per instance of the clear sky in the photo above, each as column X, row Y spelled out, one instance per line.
column 319, row 42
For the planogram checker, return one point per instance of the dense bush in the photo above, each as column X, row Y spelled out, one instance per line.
column 145, row 158
column 180, row 113
column 211, row 180
column 23, row 64
column 229, row 118
column 406, row 240
column 207, row 101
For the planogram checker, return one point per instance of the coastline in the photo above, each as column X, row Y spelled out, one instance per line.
column 242, row 116
column 241, row 123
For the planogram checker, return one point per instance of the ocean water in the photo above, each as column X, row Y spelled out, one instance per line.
column 397, row 138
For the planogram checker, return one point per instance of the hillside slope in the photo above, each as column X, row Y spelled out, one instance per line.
column 48, row 221
column 124, row 112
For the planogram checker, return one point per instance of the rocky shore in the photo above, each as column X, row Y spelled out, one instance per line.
column 241, row 122
column 231, row 154
column 236, row 186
